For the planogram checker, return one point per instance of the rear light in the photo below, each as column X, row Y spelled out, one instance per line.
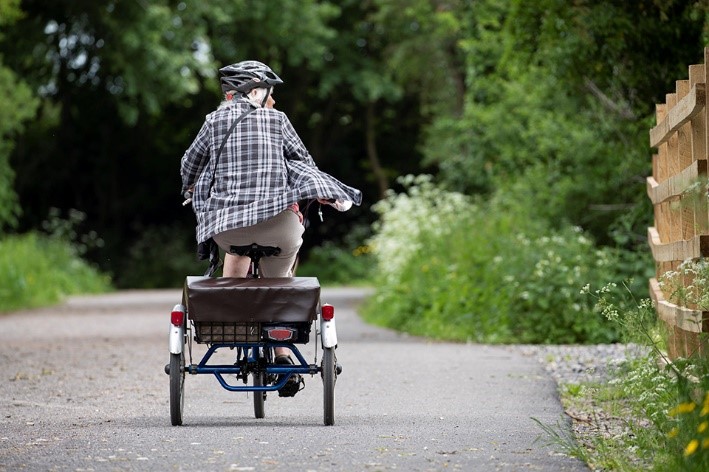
column 328, row 312
column 177, row 317
column 280, row 334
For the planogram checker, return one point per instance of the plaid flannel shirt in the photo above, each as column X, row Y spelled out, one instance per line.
column 263, row 168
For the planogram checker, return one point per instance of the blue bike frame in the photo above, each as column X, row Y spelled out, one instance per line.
column 252, row 358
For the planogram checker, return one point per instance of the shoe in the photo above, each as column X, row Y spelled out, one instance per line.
column 295, row 383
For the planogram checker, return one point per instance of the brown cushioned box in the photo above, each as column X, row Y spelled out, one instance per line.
column 226, row 299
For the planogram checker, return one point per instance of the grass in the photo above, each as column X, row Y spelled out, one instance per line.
column 610, row 427
column 608, row 432
column 38, row 270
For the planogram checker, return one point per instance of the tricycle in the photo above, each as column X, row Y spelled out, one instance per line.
column 252, row 316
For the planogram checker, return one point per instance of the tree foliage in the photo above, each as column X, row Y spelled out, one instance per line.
column 559, row 100
column 124, row 86
column 552, row 138
column 17, row 106
column 542, row 106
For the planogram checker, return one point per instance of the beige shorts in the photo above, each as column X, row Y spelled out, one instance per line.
column 283, row 230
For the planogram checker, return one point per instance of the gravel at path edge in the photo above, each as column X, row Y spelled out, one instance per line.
column 582, row 364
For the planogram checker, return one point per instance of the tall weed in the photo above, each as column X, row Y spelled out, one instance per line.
column 668, row 401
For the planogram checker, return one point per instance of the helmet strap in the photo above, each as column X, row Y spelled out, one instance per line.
column 265, row 97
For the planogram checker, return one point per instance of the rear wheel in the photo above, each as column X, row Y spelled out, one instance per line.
column 177, row 387
column 329, row 377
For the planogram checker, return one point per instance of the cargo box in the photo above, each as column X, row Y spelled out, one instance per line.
column 248, row 300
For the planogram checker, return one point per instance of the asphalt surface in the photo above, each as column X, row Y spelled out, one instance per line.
column 83, row 389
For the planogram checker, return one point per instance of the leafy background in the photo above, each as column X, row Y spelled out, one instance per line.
column 502, row 147
column 530, row 118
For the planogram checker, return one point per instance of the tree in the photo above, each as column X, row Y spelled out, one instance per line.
column 556, row 93
column 579, row 81
column 124, row 86
column 18, row 105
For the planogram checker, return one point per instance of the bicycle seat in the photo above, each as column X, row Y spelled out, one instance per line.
column 255, row 251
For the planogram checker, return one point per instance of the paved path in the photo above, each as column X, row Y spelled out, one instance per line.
column 83, row 389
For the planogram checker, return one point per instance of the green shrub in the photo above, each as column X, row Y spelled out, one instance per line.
column 38, row 270
column 547, row 274
column 457, row 269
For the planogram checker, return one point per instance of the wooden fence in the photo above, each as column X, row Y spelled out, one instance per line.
column 677, row 190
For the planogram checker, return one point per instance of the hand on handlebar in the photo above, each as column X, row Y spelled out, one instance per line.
column 339, row 205
column 188, row 197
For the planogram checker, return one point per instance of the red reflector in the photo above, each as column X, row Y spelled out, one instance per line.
column 328, row 312
column 280, row 334
column 177, row 318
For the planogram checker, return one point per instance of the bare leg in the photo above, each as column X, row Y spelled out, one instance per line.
column 281, row 351
column 236, row 266
column 284, row 231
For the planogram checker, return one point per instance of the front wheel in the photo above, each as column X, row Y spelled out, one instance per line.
column 259, row 397
column 177, row 387
column 329, row 377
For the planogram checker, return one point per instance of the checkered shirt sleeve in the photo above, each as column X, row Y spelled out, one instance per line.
column 263, row 168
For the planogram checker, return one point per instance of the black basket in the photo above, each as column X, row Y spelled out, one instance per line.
column 231, row 333
column 210, row 332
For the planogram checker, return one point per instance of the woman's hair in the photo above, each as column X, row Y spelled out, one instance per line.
column 255, row 96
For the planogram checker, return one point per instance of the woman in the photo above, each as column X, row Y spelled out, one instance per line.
column 247, row 168
column 242, row 194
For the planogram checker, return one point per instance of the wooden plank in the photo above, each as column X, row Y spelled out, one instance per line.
column 653, row 191
column 657, row 211
column 676, row 185
column 660, row 173
column 678, row 115
column 659, row 250
column 655, row 164
column 674, row 315
column 687, row 221
column 675, row 219
column 663, row 226
column 672, row 142
column 684, row 133
column 677, row 251
column 697, row 74
column 706, row 111
column 685, row 215
column 701, row 216
column 691, row 344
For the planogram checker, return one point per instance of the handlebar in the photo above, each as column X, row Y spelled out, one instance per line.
column 341, row 205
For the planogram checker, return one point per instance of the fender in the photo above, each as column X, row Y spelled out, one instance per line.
column 328, row 333
column 177, row 333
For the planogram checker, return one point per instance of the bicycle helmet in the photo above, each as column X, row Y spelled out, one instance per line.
column 245, row 76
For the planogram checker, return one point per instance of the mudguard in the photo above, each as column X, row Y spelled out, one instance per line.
column 328, row 333
column 177, row 334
